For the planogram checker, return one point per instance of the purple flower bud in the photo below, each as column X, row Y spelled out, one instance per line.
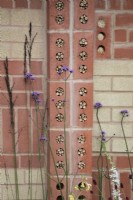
column 121, row 185
column 124, row 113
column 130, row 176
column 71, row 71
column 94, row 182
column 91, row 191
column 97, row 105
column 65, row 68
column 43, row 138
column 29, row 76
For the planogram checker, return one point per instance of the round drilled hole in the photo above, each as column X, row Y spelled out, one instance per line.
column 60, row 197
column 101, row 36
column 101, row 49
column 59, row 186
column 81, row 197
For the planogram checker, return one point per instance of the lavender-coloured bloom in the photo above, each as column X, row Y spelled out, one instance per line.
column 29, row 76
column 71, row 71
column 65, row 68
column 59, row 72
column 97, row 105
column 124, row 113
column 43, row 138
column 35, row 96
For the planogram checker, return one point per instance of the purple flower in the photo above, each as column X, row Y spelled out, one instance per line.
column 29, row 76
column 65, row 68
column 124, row 113
column 35, row 96
column 103, row 136
column 97, row 105
column 71, row 71
column 43, row 138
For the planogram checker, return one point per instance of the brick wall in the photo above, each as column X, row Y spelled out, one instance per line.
column 113, row 79
column 15, row 17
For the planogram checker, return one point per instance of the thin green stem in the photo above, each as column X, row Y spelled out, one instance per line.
column 127, row 150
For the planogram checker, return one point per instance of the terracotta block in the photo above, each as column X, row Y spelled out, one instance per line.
column 36, row 67
column 21, row 4
column 103, row 36
column 58, row 17
column 5, row 3
column 7, row 161
column 36, row 4
column 83, row 15
column 20, row 84
column 123, row 53
column 126, row 191
column 33, row 161
column 24, row 136
column 127, row 4
column 53, row 186
column 99, row 4
column 56, row 104
column 82, row 107
column 120, row 35
column 2, row 84
column 114, row 5
column 122, row 162
column 81, row 149
column 104, row 160
column 83, row 64
column 57, row 151
column 131, row 36
column 124, row 20
column 56, row 40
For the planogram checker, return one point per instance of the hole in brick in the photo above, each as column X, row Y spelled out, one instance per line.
column 81, row 139
column 83, row 55
column 82, row 186
column 59, row 91
column 59, row 117
column 101, row 36
column 60, row 164
column 83, row 4
column 81, row 197
column 59, row 68
column 60, row 139
column 60, row 198
column 59, row 42
column 59, row 19
column 82, row 117
column 59, row 56
column 81, row 165
column 60, row 104
column 59, row 186
column 60, row 152
column 83, row 91
column 83, row 42
column 101, row 49
column 101, row 23
column 83, row 19
column 59, row 5
column 82, row 69
column 81, row 152
column 82, row 104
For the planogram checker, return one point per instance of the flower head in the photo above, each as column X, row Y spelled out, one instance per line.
column 43, row 138
column 97, row 105
column 103, row 136
column 35, row 96
column 29, row 76
column 124, row 113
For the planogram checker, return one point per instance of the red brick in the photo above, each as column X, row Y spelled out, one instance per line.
column 125, row 53
column 21, row 4
column 7, row 161
column 33, row 161
column 124, row 20
column 20, row 84
column 7, row 136
column 20, row 99
column 24, row 136
column 131, row 36
column 5, row 3
column 36, row 67
column 99, row 4
column 126, row 191
column 2, row 83
column 36, row 4
column 114, row 5
column 128, row 4
column 122, row 162
column 103, row 159
column 120, row 35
